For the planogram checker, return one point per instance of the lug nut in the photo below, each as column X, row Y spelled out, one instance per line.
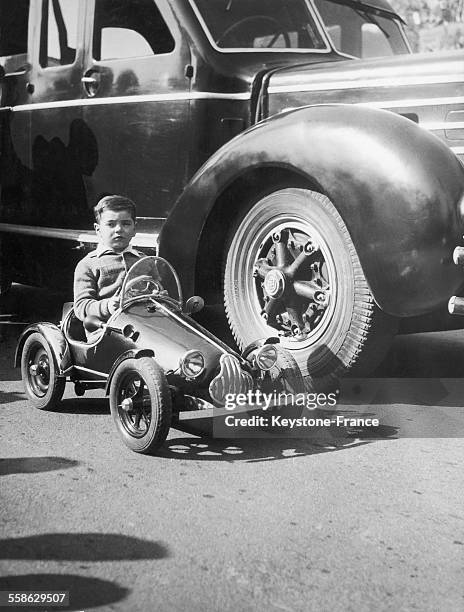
column 309, row 248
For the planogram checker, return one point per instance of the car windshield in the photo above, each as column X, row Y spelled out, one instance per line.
column 260, row 24
column 152, row 277
column 362, row 31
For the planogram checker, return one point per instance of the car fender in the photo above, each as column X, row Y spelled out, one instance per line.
column 396, row 186
column 130, row 354
column 55, row 340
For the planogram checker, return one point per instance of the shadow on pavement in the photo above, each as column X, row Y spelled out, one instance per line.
column 269, row 448
column 81, row 547
column 84, row 593
column 34, row 465
column 424, row 355
column 83, row 405
column 427, row 392
column 7, row 397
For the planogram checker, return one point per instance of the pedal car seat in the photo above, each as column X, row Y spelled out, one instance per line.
column 73, row 327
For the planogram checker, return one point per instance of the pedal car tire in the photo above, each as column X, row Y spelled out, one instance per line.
column 43, row 386
column 140, row 402
column 287, row 374
column 287, row 380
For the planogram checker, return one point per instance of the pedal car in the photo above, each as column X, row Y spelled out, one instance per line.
column 151, row 357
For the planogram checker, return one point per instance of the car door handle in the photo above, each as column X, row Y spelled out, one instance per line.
column 89, row 80
column 91, row 83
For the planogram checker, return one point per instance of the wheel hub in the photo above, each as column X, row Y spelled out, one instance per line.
column 39, row 372
column 127, row 405
column 292, row 282
column 134, row 405
column 274, row 283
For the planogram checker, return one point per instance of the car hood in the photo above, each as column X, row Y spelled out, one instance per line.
column 375, row 81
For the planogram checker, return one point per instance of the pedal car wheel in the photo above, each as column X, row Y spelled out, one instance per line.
column 43, row 385
column 140, row 403
column 286, row 375
column 287, row 382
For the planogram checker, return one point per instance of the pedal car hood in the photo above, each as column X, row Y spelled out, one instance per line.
column 170, row 335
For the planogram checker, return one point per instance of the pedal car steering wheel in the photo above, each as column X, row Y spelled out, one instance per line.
column 143, row 285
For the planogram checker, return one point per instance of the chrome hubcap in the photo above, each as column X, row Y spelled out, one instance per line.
column 127, row 404
column 274, row 283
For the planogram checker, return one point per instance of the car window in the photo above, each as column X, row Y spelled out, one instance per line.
column 374, row 42
column 59, row 32
column 360, row 31
column 129, row 29
column 259, row 24
column 14, row 16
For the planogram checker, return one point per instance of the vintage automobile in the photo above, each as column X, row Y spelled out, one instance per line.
column 291, row 158
column 151, row 358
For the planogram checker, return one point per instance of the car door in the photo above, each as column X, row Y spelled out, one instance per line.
column 137, row 103
column 16, row 40
column 62, row 148
column 50, row 149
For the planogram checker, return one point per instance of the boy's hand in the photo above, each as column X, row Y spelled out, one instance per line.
column 113, row 302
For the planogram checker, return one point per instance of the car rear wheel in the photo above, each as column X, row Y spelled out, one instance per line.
column 41, row 381
column 140, row 403
column 292, row 270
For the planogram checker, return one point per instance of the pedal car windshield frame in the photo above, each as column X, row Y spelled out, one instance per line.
column 152, row 277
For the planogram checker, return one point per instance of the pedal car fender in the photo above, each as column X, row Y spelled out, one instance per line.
column 56, row 341
column 131, row 354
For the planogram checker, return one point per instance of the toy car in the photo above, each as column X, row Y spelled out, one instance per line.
column 151, row 358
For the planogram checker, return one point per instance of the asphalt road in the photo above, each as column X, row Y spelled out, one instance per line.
column 341, row 519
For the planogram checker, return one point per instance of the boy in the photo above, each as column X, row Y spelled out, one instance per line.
column 99, row 275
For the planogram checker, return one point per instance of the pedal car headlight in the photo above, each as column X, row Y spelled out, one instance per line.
column 192, row 364
column 266, row 357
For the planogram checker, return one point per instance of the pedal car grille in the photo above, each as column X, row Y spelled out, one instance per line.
column 231, row 379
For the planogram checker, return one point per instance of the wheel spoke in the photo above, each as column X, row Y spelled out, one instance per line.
column 262, row 268
column 273, row 308
column 294, row 310
column 283, row 255
column 137, row 417
column 310, row 291
column 137, row 398
column 293, row 268
column 296, row 319
column 146, row 417
column 131, row 390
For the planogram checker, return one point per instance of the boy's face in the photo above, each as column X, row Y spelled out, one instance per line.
column 115, row 229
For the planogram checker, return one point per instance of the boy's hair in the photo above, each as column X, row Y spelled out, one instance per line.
column 114, row 203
